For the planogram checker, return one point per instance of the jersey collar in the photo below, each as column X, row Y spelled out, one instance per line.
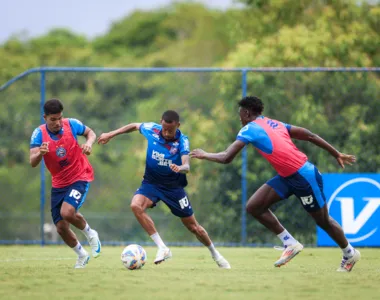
column 177, row 136
column 52, row 133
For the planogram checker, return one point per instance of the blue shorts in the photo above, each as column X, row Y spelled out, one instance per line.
column 306, row 184
column 74, row 194
column 175, row 198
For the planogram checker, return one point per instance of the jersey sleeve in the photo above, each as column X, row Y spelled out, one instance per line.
column 247, row 134
column 146, row 129
column 77, row 127
column 184, row 148
column 288, row 126
column 36, row 139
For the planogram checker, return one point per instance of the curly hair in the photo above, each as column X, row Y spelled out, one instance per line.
column 253, row 104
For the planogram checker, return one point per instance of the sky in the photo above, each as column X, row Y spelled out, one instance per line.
column 30, row 18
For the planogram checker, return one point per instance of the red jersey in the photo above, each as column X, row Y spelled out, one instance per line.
column 271, row 138
column 65, row 160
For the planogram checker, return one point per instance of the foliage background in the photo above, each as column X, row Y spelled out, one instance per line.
column 341, row 107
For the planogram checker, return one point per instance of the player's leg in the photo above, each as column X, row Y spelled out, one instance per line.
column 63, row 227
column 335, row 231
column 331, row 227
column 314, row 202
column 201, row 234
column 195, row 228
column 144, row 198
column 139, row 204
column 176, row 199
column 74, row 199
column 258, row 205
column 69, row 237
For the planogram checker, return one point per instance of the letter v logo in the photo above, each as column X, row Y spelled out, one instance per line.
column 350, row 223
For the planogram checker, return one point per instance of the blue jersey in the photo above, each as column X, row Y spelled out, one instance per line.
column 160, row 154
column 77, row 128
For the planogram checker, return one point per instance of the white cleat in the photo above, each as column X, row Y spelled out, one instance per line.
column 162, row 255
column 95, row 244
column 347, row 264
column 82, row 261
column 222, row 262
column 288, row 253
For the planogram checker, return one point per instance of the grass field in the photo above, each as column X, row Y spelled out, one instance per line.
column 32, row 272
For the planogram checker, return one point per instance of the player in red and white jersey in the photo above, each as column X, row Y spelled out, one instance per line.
column 56, row 143
column 296, row 176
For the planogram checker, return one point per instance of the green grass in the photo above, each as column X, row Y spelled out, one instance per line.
column 32, row 272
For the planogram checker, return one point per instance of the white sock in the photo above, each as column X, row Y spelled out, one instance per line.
column 286, row 238
column 157, row 239
column 214, row 253
column 78, row 249
column 348, row 251
column 87, row 231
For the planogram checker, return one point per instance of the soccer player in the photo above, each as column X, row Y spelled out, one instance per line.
column 167, row 163
column 296, row 176
column 56, row 143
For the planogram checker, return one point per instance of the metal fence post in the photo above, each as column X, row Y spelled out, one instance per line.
column 244, row 173
column 42, row 165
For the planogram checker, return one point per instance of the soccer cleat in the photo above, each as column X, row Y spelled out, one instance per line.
column 95, row 244
column 288, row 253
column 222, row 262
column 347, row 264
column 82, row 261
column 162, row 255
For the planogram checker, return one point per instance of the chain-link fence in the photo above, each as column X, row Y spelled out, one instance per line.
column 339, row 104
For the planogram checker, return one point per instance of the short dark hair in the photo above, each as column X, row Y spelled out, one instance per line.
column 170, row 116
column 53, row 106
column 253, row 104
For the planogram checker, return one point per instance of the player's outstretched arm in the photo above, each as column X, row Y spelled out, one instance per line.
column 104, row 138
column 184, row 168
column 304, row 134
column 36, row 154
column 224, row 157
column 90, row 136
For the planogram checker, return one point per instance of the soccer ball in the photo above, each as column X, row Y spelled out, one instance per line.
column 133, row 257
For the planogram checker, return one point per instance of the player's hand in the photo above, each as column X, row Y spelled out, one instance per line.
column 345, row 159
column 86, row 149
column 44, row 148
column 198, row 153
column 175, row 168
column 104, row 138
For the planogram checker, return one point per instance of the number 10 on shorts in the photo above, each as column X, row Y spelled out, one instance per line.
column 184, row 202
column 307, row 200
column 75, row 194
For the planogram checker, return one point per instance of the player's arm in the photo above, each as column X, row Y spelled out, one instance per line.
column 104, row 138
column 304, row 134
column 224, row 157
column 184, row 168
column 36, row 154
column 90, row 136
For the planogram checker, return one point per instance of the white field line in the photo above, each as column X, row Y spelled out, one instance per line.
column 36, row 259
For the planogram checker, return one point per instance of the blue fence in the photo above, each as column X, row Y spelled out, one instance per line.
column 43, row 71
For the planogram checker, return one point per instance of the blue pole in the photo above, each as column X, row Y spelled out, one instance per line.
column 244, row 173
column 42, row 165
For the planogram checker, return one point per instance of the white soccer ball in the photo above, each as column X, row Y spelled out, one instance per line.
column 133, row 257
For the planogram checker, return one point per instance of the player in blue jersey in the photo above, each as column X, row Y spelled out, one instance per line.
column 167, row 163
